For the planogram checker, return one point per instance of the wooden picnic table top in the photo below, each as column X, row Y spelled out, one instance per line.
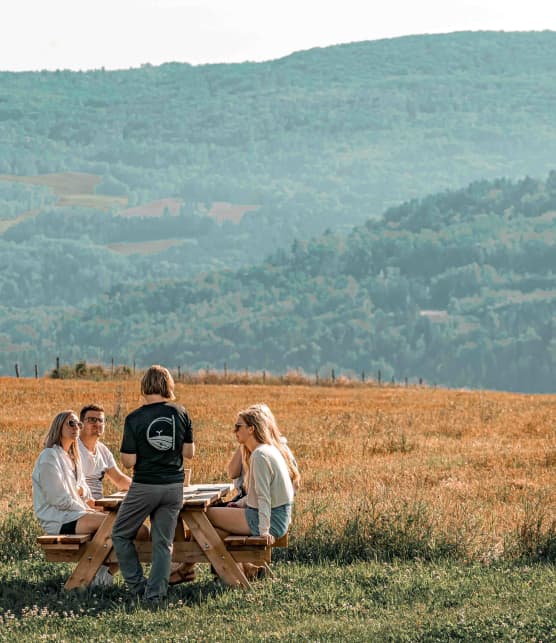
column 195, row 496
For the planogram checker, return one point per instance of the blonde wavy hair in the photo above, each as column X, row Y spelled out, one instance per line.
column 260, row 418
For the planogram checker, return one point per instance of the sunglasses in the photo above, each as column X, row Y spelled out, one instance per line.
column 74, row 423
column 237, row 427
column 95, row 420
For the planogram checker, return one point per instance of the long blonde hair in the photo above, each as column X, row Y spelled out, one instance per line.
column 54, row 435
column 265, row 430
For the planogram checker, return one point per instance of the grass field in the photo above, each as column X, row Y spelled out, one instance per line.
column 424, row 514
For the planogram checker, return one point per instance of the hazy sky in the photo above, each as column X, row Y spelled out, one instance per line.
column 118, row 34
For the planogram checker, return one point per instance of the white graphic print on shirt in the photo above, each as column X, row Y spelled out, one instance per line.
column 161, row 433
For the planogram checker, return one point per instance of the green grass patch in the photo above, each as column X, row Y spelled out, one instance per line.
column 372, row 601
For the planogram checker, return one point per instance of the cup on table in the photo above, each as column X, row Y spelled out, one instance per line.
column 187, row 477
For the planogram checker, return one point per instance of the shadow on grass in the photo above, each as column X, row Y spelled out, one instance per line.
column 29, row 587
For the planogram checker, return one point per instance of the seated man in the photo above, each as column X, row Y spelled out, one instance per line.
column 96, row 458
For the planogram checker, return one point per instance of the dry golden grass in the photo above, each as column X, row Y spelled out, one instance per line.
column 479, row 463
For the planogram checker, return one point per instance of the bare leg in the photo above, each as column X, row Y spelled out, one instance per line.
column 89, row 523
column 231, row 520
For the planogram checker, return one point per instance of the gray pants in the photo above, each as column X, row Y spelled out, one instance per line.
column 162, row 502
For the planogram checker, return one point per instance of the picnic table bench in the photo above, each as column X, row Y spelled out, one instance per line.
column 195, row 541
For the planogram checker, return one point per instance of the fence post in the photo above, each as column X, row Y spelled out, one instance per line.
column 57, row 364
column 264, row 377
column 179, row 373
column 112, row 368
column 362, row 376
column 333, row 376
column 225, row 370
column 36, row 372
column 16, row 370
column 378, row 376
column 134, row 367
column 316, row 377
column 405, row 380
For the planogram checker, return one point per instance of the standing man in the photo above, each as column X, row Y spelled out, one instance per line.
column 157, row 437
column 96, row 458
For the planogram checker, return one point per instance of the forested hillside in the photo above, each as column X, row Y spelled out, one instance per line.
column 319, row 139
column 457, row 288
column 300, row 150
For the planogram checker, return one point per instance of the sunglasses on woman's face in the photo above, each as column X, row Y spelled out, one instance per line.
column 237, row 427
column 74, row 423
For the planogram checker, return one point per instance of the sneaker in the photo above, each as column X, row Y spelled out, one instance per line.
column 103, row 578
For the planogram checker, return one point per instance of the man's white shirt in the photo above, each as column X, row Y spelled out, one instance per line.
column 95, row 466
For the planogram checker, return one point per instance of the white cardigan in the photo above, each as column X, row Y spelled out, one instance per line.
column 270, row 484
column 55, row 497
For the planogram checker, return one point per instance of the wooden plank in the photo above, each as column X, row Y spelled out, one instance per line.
column 63, row 555
column 96, row 551
column 181, row 532
column 281, row 542
column 63, row 546
column 182, row 552
column 254, row 541
column 256, row 556
column 214, row 549
column 69, row 539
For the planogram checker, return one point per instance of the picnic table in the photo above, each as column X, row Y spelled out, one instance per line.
column 195, row 541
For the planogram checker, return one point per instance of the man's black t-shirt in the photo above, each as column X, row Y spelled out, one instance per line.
column 156, row 433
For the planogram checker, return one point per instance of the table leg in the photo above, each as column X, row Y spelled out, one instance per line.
column 96, row 552
column 214, row 549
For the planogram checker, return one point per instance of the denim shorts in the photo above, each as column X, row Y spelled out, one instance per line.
column 280, row 518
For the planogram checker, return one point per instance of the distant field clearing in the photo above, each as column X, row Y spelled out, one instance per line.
column 77, row 189
column 94, row 201
column 5, row 224
column 222, row 211
column 62, row 183
column 219, row 210
column 153, row 209
column 145, row 247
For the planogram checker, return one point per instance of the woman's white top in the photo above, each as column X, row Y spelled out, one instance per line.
column 270, row 484
column 55, row 497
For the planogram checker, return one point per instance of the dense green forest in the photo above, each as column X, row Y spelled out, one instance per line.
column 456, row 287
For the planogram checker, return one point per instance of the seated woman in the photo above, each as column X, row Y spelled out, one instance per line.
column 61, row 498
column 271, row 475
column 235, row 465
